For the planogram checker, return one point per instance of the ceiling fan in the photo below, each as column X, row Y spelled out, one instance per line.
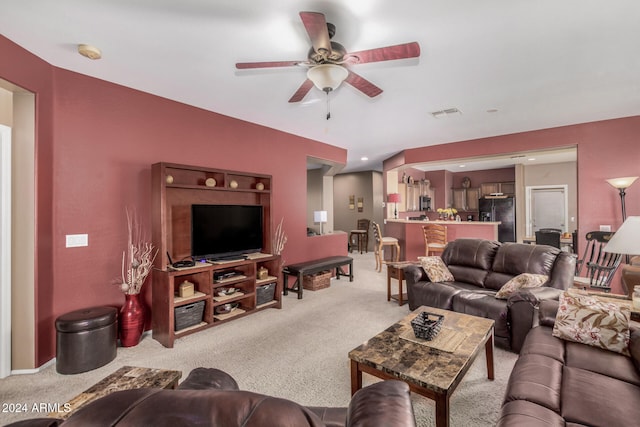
column 329, row 61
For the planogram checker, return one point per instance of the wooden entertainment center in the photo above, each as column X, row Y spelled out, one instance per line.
column 174, row 189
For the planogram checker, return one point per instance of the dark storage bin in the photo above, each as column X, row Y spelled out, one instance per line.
column 86, row 339
column 188, row 315
column 265, row 293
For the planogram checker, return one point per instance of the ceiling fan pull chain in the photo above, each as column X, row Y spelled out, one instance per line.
column 328, row 110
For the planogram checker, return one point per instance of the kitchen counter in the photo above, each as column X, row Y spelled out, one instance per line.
column 409, row 233
column 422, row 222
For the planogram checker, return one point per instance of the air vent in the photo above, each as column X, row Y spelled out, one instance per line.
column 447, row 112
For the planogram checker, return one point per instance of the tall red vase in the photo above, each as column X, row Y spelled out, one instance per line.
column 132, row 318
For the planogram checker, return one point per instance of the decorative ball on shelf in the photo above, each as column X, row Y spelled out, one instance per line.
column 210, row 182
column 169, row 179
column 233, row 184
column 260, row 186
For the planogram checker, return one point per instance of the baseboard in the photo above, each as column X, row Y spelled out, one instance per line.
column 35, row 370
column 53, row 361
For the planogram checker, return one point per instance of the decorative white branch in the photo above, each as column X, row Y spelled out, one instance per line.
column 279, row 239
column 137, row 260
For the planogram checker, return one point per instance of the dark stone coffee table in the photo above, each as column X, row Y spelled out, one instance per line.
column 125, row 378
column 433, row 369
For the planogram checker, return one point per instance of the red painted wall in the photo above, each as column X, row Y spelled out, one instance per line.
column 95, row 144
column 606, row 149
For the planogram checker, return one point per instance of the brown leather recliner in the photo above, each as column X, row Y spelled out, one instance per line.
column 210, row 397
column 563, row 383
column 480, row 268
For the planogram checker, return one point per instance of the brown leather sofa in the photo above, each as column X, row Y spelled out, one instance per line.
column 210, row 397
column 480, row 268
column 562, row 383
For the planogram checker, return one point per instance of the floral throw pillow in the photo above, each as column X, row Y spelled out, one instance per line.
column 436, row 269
column 524, row 280
column 588, row 320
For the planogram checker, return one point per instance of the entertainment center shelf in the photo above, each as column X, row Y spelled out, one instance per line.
column 187, row 177
column 165, row 299
column 175, row 188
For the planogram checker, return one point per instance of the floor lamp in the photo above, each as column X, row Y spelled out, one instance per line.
column 627, row 241
column 622, row 184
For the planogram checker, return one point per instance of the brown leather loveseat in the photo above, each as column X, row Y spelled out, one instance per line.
column 210, row 397
column 480, row 268
column 557, row 382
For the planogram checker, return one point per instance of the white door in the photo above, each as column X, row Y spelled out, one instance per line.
column 5, row 251
column 547, row 208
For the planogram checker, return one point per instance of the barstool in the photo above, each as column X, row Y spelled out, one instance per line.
column 435, row 238
column 381, row 242
column 86, row 339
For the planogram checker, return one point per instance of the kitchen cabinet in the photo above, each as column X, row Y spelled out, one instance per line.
column 465, row 199
column 473, row 195
column 506, row 188
column 459, row 199
column 410, row 196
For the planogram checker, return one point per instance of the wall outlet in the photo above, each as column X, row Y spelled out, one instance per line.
column 605, row 228
column 77, row 240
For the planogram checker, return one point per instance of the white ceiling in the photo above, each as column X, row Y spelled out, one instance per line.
column 541, row 64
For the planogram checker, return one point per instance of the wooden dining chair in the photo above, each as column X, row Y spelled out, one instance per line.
column 550, row 237
column 435, row 238
column 360, row 236
column 600, row 265
column 381, row 242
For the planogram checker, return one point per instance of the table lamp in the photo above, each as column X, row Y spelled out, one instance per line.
column 320, row 216
column 626, row 241
column 395, row 199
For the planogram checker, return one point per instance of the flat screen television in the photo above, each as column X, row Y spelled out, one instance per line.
column 225, row 231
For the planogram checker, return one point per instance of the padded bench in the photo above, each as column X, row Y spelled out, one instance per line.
column 315, row 266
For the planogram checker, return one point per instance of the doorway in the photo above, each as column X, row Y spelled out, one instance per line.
column 17, row 294
column 5, row 251
column 546, row 207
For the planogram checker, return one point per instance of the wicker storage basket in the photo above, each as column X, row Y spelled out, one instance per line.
column 265, row 293
column 320, row 280
column 427, row 325
column 188, row 315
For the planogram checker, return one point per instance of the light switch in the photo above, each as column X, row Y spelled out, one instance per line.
column 77, row 240
column 605, row 228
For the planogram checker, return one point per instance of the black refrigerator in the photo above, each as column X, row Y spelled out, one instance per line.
column 501, row 209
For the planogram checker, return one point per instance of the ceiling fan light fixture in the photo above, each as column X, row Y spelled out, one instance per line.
column 327, row 77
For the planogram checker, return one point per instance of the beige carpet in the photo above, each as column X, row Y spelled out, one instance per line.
column 299, row 353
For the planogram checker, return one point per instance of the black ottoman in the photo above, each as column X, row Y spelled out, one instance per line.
column 86, row 339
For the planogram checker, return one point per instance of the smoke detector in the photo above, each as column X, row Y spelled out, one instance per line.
column 89, row 51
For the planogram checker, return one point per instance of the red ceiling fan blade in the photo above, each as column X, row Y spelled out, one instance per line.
column 272, row 64
column 389, row 53
column 316, row 27
column 363, row 85
column 302, row 91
